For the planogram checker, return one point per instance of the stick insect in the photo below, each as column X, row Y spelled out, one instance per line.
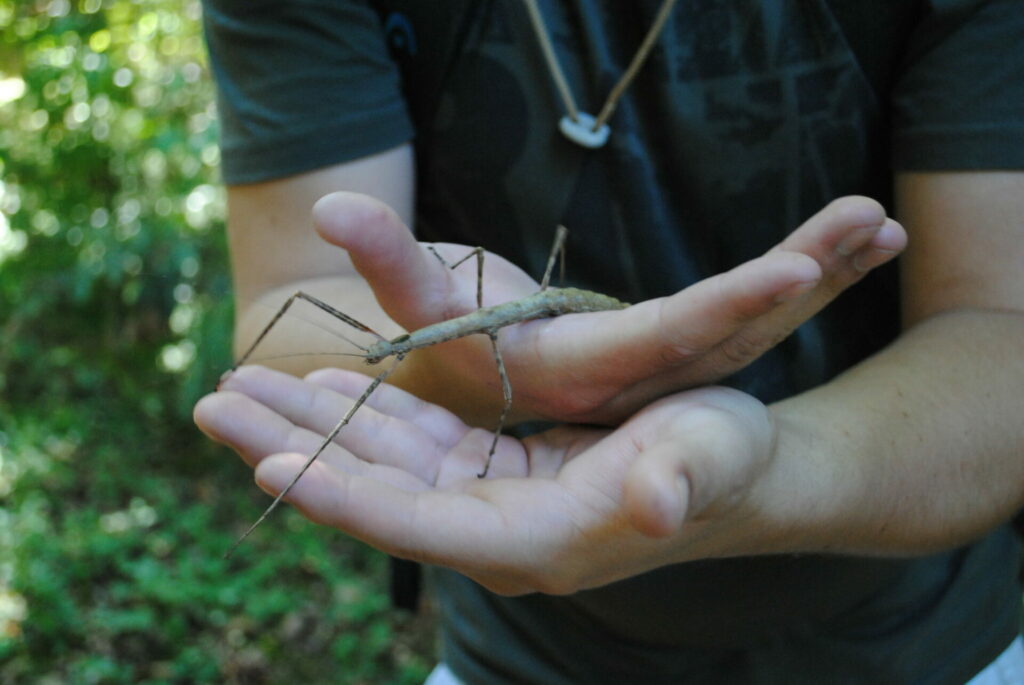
column 546, row 302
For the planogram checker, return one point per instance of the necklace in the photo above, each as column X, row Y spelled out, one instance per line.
column 578, row 126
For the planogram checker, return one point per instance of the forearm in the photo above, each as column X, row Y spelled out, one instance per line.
column 275, row 252
column 917, row 448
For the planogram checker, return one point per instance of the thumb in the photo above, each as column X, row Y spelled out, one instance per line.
column 408, row 283
column 657, row 491
column 704, row 465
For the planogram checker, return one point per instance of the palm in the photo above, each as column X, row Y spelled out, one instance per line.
column 555, row 514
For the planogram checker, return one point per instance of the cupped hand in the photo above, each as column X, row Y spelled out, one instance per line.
column 564, row 510
column 601, row 367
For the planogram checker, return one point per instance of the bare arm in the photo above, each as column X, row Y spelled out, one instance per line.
column 275, row 251
column 924, row 442
column 914, row 449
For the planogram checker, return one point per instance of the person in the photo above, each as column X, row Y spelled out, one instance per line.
column 741, row 484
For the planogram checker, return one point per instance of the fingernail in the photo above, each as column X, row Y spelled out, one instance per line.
column 868, row 259
column 856, row 239
column 796, row 290
column 223, row 379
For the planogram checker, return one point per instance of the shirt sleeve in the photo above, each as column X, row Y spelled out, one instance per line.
column 302, row 84
column 959, row 104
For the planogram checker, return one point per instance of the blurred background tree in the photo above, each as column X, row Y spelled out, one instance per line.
column 114, row 318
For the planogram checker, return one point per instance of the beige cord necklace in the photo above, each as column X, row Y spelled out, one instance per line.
column 580, row 127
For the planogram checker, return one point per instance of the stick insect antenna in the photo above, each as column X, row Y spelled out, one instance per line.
column 316, row 302
column 292, row 355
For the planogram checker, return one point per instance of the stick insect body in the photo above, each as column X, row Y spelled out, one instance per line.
column 547, row 302
column 540, row 305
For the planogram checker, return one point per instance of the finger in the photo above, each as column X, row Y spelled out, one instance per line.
column 842, row 269
column 845, row 269
column 660, row 334
column 449, row 528
column 255, row 432
column 845, row 240
column 371, row 435
column 731, row 302
column 848, row 238
column 244, row 425
column 409, row 283
column 776, row 291
column 888, row 243
column 842, row 228
column 696, row 320
column 442, row 425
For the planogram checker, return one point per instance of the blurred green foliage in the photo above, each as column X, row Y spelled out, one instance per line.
column 114, row 318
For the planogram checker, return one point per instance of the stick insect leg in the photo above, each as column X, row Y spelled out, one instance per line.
column 478, row 252
column 319, row 450
column 506, row 387
column 299, row 295
column 557, row 248
column 506, row 391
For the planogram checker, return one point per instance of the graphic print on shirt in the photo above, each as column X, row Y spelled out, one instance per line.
column 784, row 88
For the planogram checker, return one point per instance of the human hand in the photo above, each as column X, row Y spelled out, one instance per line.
column 689, row 476
column 601, row 367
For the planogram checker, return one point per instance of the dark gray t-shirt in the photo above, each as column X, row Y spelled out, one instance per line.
column 750, row 116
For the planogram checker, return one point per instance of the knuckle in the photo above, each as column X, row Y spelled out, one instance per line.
column 676, row 353
column 741, row 349
column 328, row 377
column 374, row 427
column 674, row 348
column 320, row 402
column 296, row 439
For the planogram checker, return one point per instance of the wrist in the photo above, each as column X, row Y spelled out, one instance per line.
column 757, row 485
column 800, row 503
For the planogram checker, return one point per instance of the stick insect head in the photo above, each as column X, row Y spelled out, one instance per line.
column 383, row 349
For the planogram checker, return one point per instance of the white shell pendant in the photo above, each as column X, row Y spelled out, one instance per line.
column 581, row 130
